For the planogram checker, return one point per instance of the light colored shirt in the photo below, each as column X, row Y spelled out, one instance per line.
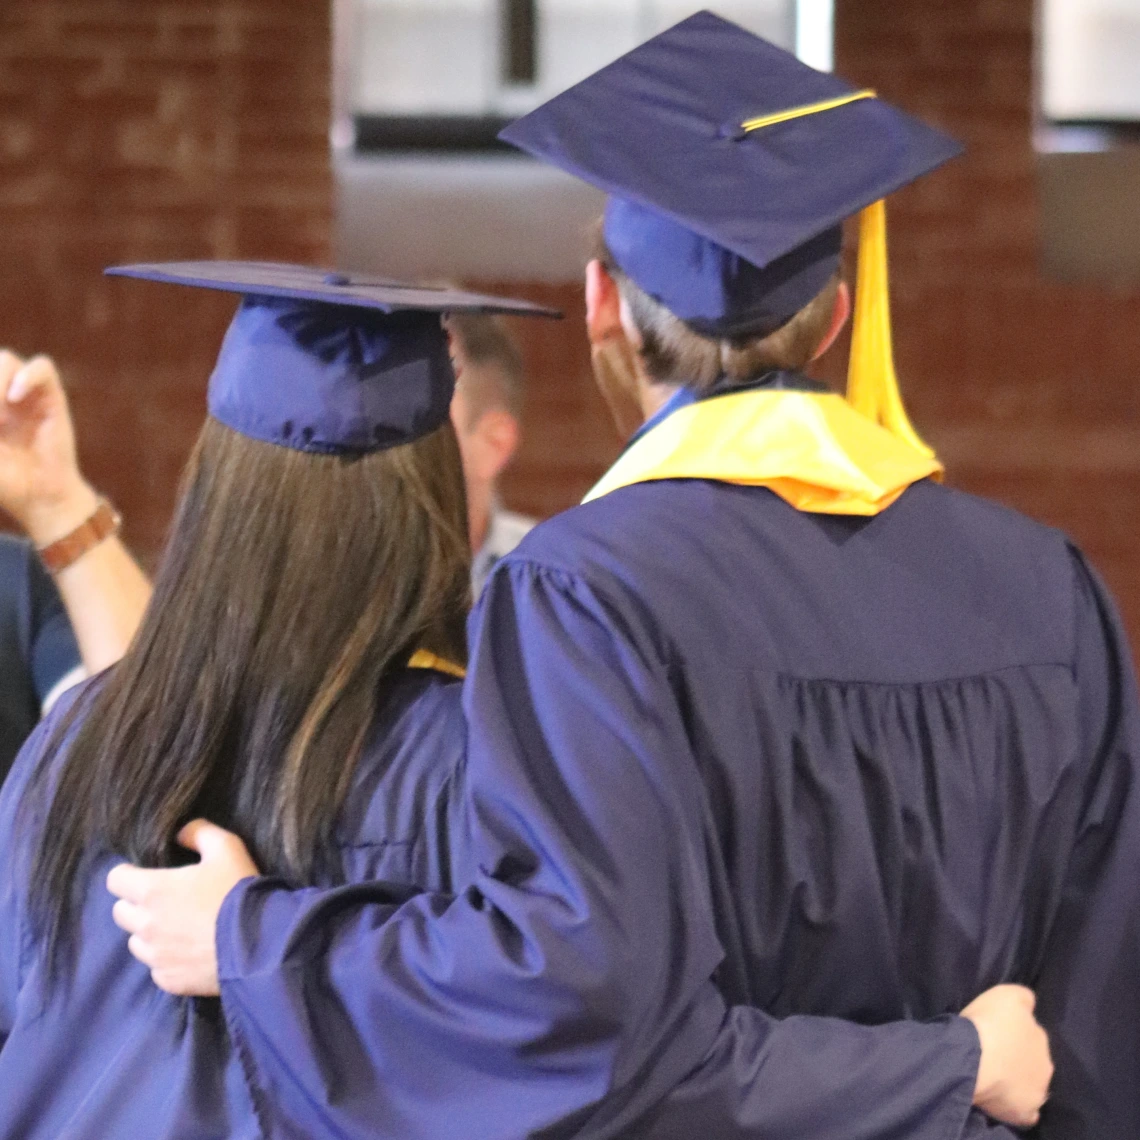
column 506, row 530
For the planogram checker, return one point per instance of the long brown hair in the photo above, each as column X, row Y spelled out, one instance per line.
column 291, row 587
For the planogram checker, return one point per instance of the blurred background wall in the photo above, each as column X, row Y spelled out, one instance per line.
column 143, row 129
column 135, row 130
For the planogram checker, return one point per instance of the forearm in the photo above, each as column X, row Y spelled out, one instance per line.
column 431, row 1013
column 105, row 594
column 371, row 971
column 822, row 1078
column 104, row 591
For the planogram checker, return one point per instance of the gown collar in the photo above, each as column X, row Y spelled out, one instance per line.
column 787, row 433
column 683, row 397
column 425, row 659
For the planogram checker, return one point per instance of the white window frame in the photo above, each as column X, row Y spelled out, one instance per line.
column 490, row 215
column 813, row 40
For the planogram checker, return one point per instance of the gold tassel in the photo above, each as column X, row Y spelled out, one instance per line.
column 872, row 383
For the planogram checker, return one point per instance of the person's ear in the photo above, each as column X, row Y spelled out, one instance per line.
column 839, row 316
column 498, row 434
column 603, row 304
column 613, row 352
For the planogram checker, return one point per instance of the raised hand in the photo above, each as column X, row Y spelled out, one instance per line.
column 40, row 482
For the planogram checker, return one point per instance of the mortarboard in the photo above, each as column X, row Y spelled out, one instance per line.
column 329, row 362
column 731, row 166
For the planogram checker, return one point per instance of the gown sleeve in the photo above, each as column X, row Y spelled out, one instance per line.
column 568, row 989
column 1089, row 986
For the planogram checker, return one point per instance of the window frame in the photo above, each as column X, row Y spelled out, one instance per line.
column 371, row 134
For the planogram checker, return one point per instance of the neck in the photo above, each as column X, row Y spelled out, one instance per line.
column 479, row 499
column 653, row 397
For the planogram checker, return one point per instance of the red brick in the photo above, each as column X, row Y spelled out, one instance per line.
column 121, row 138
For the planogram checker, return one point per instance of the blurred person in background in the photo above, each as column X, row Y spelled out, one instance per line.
column 71, row 597
column 487, row 414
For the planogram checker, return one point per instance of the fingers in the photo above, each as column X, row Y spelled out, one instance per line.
column 1050, row 1066
column 1006, row 994
column 133, row 919
column 142, row 950
column 19, row 378
column 39, row 374
column 1025, row 995
column 10, row 364
column 1041, row 1079
column 127, row 916
column 1020, row 1119
column 223, row 849
column 206, row 838
column 130, row 883
column 171, row 981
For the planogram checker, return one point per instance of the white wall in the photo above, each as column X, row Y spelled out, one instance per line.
column 442, row 56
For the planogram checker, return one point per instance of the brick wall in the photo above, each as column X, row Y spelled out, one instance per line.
column 136, row 130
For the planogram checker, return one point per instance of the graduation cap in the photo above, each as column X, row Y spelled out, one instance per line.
column 330, row 362
column 731, row 167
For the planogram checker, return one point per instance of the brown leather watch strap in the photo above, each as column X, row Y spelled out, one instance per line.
column 59, row 555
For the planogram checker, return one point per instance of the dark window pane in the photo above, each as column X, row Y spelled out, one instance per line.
column 380, row 133
column 520, row 40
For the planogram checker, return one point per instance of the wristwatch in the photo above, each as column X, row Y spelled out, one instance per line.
column 59, row 555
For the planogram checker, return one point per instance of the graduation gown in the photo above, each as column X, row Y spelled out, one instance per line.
column 109, row 1056
column 759, row 797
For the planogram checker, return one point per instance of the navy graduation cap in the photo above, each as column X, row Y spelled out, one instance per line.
column 330, row 362
column 731, row 166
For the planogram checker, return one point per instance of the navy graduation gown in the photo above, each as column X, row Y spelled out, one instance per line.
column 758, row 799
column 110, row 1057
